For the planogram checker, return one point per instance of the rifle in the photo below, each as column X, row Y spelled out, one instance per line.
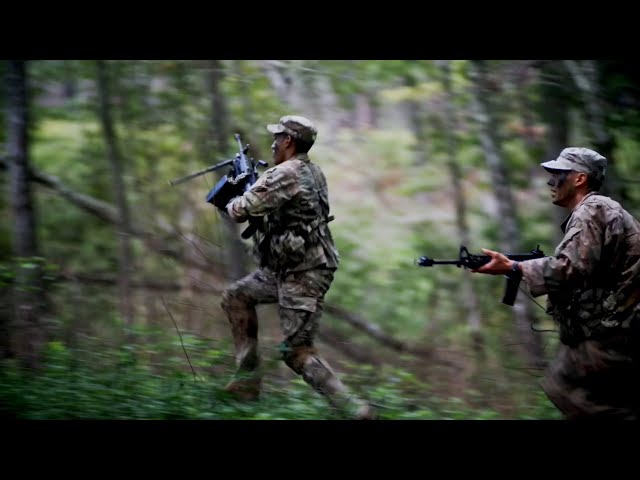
column 473, row 261
column 242, row 174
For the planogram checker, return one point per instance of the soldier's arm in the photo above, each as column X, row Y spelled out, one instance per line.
column 576, row 257
column 275, row 187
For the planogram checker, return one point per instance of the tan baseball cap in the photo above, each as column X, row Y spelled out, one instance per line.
column 296, row 126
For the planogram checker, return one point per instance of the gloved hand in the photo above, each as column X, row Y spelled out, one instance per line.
column 223, row 192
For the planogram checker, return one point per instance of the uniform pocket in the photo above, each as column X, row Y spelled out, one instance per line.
column 295, row 302
column 288, row 248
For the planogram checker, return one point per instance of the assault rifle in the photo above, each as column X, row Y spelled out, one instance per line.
column 473, row 261
column 241, row 175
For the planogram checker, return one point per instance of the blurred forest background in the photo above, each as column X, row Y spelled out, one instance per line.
column 110, row 278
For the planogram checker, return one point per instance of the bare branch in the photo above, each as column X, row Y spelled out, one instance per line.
column 177, row 330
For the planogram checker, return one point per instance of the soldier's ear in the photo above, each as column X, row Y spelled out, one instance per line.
column 581, row 179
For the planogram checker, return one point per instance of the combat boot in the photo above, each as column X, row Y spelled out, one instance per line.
column 366, row 412
column 244, row 389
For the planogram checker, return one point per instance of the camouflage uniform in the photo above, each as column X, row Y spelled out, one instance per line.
column 593, row 293
column 298, row 260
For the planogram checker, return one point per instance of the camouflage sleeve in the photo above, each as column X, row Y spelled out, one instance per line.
column 533, row 273
column 575, row 258
column 271, row 190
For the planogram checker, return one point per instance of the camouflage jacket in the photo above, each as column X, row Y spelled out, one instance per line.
column 593, row 279
column 295, row 200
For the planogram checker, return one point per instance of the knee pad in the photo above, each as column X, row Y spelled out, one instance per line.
column 233, row 297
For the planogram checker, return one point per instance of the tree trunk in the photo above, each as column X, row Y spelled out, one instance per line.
column 509, row 233
column 470, row 299
column 416, row 123
column 70, row 81
column 555, row 113
column 26, row 334
column 222, row 137
column 276, row 72
column 125, row 257
column 586, row 78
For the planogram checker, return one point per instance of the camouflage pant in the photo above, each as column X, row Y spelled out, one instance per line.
column 593, row 379
column 300, row 296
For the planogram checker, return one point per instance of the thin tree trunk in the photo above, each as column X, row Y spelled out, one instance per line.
column 222, row 136
column 276, row 72
column 70, row 81
column 328, row 108
column 24, row 338
column 125, row 257
column 416, row 123
column 509, row 232
column 373, row 108
column 555, row 112
column 524, row 104
column 586, row 78
column 470, row 299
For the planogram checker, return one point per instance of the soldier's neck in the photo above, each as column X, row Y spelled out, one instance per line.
column 577, row 199
column 294, row 155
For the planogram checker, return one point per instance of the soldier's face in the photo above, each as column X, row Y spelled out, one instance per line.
column 278, row 148
column 562, row 187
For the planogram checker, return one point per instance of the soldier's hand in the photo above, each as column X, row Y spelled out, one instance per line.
column 498, row 265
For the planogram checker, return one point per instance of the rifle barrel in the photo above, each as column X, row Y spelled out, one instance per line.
column 237, row 136
column 201, row 172
column 428, row 262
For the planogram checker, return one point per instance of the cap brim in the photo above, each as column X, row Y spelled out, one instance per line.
column 557, row 165
column 275, row 128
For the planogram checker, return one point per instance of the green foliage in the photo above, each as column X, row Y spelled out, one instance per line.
column 6, row 275
column 518, row 163
column 46, row 270
column 627, row 166
column 391, row 207
column 153, row 381
column 346, row 287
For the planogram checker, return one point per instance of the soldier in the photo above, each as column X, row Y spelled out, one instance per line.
column 298, row 260
column 592, row 285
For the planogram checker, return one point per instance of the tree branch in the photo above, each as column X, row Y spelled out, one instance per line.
column 374, row 331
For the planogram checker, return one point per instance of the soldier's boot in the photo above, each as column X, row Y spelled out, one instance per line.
column 365, row 412
column 247, row 380
column 316, row 372
column 245, row 389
